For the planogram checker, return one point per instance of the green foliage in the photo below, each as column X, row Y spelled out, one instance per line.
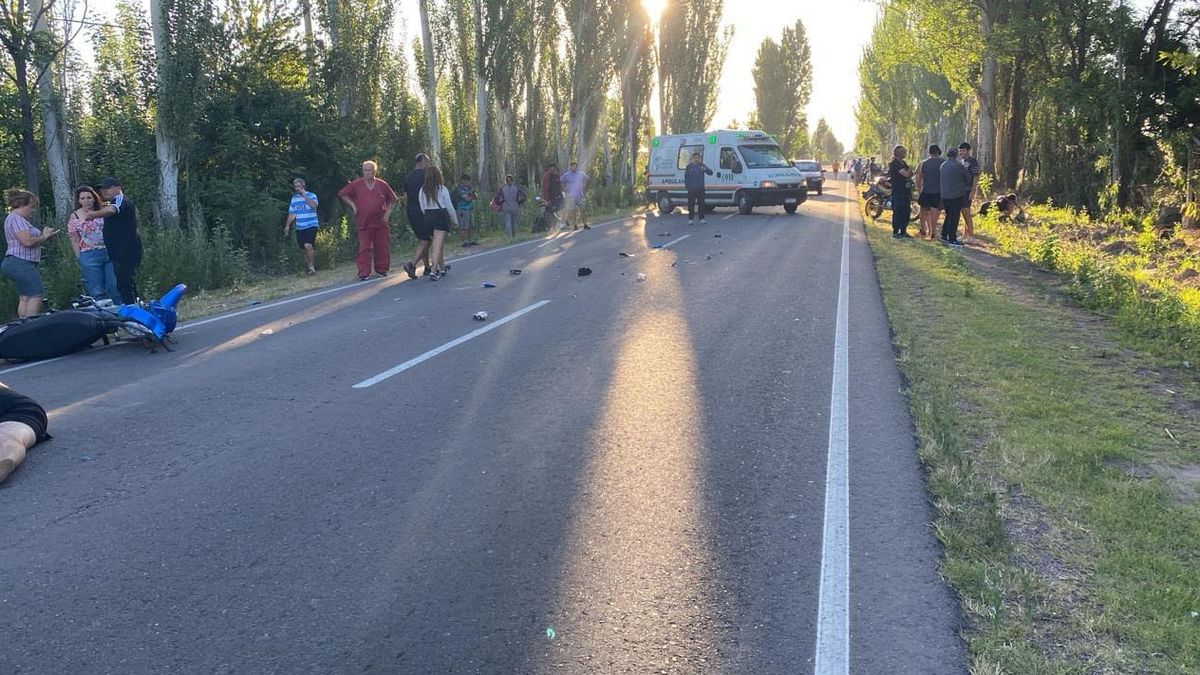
column 782, row 87
column 691, row 55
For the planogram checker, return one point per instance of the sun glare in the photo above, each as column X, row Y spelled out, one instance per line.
column 654, row 9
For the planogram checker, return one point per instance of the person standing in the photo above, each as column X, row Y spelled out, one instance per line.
column 552, row 193
column 303, row 212
column 438, row 214
column 956, row 184
column 972, row 164
column 24, row 252
column 900, row 176
column 510, row 197
column 371, row 199
column 929, row 191
column 693, row 181
column 412, row 208
column 121, row 236
column 87, row 239
column 464, row 203
column 574, row 183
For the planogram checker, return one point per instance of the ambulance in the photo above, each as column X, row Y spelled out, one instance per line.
column 749, row 170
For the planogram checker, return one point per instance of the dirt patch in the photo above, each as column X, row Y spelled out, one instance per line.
column 1182, row 481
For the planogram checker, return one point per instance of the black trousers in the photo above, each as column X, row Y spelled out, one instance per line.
column 901, row 212
column 125, row 269
column 695, row 203
column 954, row 209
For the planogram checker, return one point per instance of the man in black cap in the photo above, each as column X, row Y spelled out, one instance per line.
column 120, row 237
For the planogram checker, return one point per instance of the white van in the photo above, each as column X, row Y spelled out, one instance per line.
column 748, row 167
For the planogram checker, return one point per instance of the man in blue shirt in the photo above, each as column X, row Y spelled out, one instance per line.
column 303, row 212
column 693, row 180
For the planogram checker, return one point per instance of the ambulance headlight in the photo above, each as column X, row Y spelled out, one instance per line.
column 767, row 184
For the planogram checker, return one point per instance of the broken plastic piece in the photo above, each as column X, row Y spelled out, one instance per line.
column 641, row 276
column 515, row 272
column 480, row 316
column 584, row 271
column 623, row 254
column 488, row 284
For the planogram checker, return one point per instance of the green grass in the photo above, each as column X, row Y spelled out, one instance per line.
column 1056, row 487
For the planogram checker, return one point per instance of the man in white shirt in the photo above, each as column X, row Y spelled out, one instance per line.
column 574, row 183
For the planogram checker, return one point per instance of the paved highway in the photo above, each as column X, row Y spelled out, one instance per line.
column 694, row 473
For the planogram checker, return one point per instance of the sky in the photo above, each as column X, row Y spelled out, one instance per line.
column 837, row 31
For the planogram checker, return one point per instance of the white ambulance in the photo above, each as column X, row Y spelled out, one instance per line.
column 748, row 167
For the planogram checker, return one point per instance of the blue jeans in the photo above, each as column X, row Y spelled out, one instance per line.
column 99, row 279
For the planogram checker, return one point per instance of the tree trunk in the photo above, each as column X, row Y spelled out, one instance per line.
column 481, row 102
column 435, row 137
column 310, row 43
column 986, row 93
column 165, row 144
column 31, row 158
column 52, row 126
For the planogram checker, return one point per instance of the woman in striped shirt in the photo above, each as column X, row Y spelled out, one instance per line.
column 24, row 251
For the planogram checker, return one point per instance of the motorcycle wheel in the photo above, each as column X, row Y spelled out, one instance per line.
column 874, row 207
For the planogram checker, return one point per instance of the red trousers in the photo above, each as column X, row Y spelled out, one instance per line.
column 373, row 247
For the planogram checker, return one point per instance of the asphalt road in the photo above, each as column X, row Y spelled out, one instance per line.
column 628, row 478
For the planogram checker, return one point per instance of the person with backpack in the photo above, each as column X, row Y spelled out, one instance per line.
column 509, row 198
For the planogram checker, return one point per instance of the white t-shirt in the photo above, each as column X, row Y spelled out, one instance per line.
column 443, row 202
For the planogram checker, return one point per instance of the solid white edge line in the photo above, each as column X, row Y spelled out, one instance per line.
column 316, row 294
column 670, row 243
column 372, row 381
column 833, row 612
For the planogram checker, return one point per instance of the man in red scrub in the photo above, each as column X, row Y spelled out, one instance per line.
column 371, row 200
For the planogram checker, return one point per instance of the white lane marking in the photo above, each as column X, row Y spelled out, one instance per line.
column 833, row 613
column 316, row 294
column 670, row 243
column 371, row 381
column 730, row 215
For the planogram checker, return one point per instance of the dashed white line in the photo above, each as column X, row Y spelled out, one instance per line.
column 372, row 381
column 833, row 613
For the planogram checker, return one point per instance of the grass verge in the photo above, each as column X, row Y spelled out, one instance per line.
column 264, row 288
column 1062, row 464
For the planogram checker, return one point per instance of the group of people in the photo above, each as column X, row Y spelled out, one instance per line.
column 431, row 207
column 861, row 169
column 943, row 185
column 103, row 230
column 565, row 193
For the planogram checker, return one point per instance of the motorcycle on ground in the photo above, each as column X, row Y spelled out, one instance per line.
column 879, row 199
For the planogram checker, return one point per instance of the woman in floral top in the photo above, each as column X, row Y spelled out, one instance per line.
column 87, row 238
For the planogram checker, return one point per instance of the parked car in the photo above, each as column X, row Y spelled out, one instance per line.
column 814, row 175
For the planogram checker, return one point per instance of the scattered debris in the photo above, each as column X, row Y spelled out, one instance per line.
column 708, row 257
column 664, row 234
column 623, row 254
column 254, row 302
column 1170, row 434
column 717, row 235
column 550, row 633
column 675, row 264
column 515, row 272
column 584, row 271
column 641, row 276
column 85, row 458
column 267, row 332
column 480, row 316
column 658, row 246
column 488, row 284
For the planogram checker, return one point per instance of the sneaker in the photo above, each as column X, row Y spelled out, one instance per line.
column 690, row 223
column 382, row 274
column 954, row 242
column 362, row 278
column 702, row 222
column 436, row 276
column 428, row 271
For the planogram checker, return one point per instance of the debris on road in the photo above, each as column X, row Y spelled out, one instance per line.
column 480, row 316
column 641, row 276
column 664, row 234
column 488, row 284
column 515, row 272
column 623, row 254
column 85, row 458
column 584, row 271
column 675, row 264
column 254, row 302
column 658, row 246
column 717, row 235
column 267, row 332
column 708, row 257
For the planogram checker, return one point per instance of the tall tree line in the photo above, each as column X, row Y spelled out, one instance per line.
column 1088, row 102
column 207, row 108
